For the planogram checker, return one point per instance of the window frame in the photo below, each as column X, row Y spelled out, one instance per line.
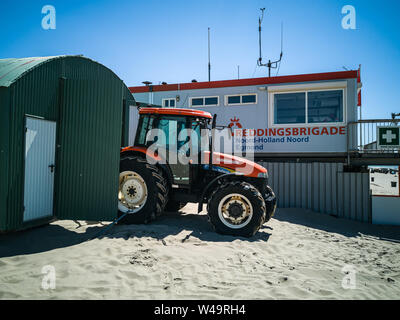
column 169, row 100
column 204, row 100
column 240, row 95
column 329, row 86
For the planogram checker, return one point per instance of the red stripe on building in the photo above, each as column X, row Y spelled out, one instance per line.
column 249, row 82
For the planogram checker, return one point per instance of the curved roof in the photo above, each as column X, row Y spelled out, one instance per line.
column 176, row 112
column 13, row 69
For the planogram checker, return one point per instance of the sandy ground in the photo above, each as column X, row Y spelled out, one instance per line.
column 297, row 255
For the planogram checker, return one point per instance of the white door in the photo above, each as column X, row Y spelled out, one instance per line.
column 133, row 122
column 40, row 145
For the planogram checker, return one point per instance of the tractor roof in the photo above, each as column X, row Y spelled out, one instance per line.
column 176, row 112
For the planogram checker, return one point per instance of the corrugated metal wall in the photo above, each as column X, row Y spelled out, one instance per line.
column 4, row 140
column 33, row 94
column 354, row 196
column 88, row 159
column 37, row 93
column 321, row 187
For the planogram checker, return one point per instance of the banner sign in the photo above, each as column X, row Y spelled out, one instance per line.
column 288, row 139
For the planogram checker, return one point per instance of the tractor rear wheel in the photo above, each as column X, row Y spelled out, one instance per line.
column 236, row 208
column 142, row 191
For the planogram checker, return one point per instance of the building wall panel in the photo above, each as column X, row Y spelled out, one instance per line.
column 321, row 187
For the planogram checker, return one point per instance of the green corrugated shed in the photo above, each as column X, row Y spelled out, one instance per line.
column 87, row 102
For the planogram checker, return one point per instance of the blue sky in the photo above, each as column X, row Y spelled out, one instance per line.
column 167, row 40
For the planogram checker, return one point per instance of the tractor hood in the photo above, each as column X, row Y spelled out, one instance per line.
column 222, row 162
column 228, row 163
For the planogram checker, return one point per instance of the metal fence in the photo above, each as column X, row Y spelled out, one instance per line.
column 321, row 187
column 362, row 135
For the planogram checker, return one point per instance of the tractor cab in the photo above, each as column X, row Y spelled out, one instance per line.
column 175, row 137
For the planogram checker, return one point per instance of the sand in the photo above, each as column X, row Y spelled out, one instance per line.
column 299, row 254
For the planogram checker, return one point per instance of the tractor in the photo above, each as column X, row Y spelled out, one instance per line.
column 239, row 201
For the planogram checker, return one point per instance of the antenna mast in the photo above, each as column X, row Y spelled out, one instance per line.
column 270, row 64
column 209, row 61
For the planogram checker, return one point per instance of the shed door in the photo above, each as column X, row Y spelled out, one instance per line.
column 40, row 142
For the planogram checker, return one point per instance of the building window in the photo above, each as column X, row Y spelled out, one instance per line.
column 289, row 108
column 197, row 102
column 372, row 179
column 394, row 184
column 308, row 107
column 325, row 106
column 233, row 100
column 211, row 101
column 169, row 103
column 241, row 99
column 204, row 102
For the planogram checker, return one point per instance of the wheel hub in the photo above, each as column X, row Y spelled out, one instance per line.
column 235, row 210
column 132, row 191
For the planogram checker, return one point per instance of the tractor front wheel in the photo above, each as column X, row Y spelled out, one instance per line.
column 236, row 208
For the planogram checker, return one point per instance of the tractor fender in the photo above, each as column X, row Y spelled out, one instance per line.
column 210, row 184
column 142, row 152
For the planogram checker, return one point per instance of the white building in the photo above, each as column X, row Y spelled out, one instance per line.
column 298, row 115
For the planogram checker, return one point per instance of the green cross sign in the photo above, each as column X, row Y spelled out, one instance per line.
column 388, row 136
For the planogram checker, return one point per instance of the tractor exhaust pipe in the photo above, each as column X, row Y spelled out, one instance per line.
column 213, row 126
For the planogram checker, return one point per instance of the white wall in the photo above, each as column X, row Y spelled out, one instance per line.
column 386, row 210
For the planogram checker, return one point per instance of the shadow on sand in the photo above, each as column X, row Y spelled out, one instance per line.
column 185, row 225
column 345, row 227
column 69, row 233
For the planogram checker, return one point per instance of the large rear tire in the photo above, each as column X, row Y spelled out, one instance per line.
column 142, row 191
column 236, row 208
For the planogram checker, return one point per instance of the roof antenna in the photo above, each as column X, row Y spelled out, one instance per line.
column 209, row 61
column 270, row 64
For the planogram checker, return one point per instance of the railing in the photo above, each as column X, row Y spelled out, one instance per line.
column 362, row 136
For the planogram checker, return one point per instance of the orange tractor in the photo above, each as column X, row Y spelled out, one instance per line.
column 239, row 200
